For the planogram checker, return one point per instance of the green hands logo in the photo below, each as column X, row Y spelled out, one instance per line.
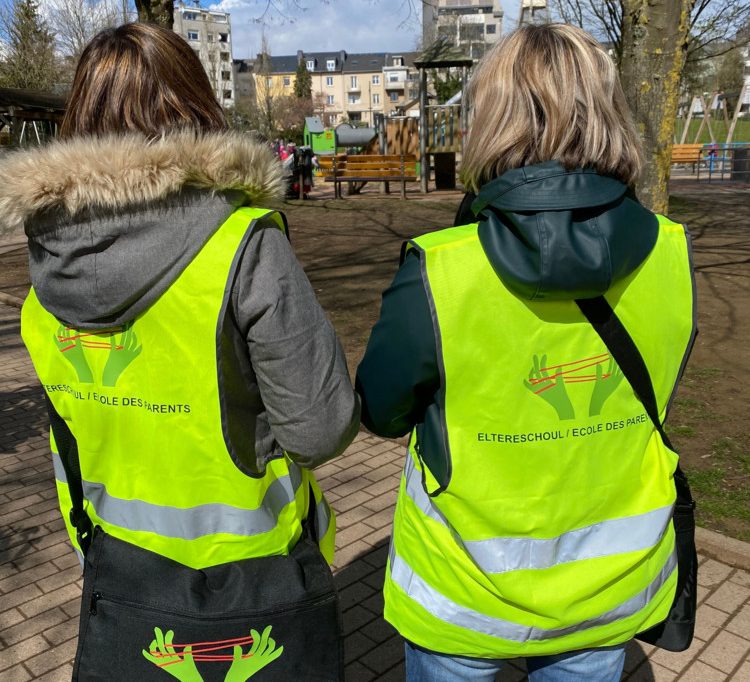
column 179, row 659
column 121, row 342
column 549, row 382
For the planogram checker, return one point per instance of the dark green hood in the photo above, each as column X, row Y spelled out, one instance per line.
column 553, row 234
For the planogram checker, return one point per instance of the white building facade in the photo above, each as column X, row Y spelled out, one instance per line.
column 473, row 25
column 209, row 33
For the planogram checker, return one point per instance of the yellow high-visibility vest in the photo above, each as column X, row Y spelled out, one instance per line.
column 144, row 404
column 554, row 531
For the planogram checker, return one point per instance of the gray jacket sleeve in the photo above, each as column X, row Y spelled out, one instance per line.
column 298, row 361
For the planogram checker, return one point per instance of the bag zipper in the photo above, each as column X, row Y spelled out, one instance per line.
column 307, row 603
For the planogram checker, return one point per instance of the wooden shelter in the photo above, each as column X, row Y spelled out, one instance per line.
column 441, row 127
column 30, row 116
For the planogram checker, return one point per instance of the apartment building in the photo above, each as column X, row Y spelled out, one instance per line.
column 345, row 86
column 244, row 82
column 209, row 33
column 473, row 25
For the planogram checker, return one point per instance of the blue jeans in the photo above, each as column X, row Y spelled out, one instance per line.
column 587, row 665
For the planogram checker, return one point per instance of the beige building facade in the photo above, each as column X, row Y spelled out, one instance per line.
column 346, row 87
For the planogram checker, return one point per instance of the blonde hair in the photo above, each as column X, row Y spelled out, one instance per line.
column 549, row 93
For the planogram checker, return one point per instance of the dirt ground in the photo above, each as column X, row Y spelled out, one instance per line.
column 350, row 251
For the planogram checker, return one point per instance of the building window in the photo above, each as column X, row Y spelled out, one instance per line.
column 393, row 96
column 376, row 80
column 490, row 28
column 190, row 16
column 311, row 65
column 376, row 98
column 353, row 99
column 398, row 61
column 210, row 37
column 329, row 99
column 225, row 75
column 393, row 78
column 227, row 94
column 223, row 37
column 269, row 82
column 329, row 81
column 192, row 35
column 330, row 65
column 225, row 56
column 287, row 81
column 353, row 82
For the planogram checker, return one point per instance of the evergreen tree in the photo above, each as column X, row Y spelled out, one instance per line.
column 302, row 81
column 30, row 61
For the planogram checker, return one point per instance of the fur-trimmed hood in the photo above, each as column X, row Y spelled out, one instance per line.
column 113, row 221
column 115, row 173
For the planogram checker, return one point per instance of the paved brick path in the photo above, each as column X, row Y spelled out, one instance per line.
column 40, row 582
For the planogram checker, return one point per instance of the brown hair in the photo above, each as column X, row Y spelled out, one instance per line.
column 140, row 78
column 549, row 93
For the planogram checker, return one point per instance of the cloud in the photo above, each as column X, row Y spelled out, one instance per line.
column 321, row 25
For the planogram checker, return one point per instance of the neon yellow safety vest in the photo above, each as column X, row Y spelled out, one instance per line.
column 143, row 402
column 554, row 531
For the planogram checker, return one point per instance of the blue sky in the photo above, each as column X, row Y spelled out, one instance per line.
column 351, row 25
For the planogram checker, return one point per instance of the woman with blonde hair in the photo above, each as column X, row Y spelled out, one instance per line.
column 534, row 517
column 192, row 379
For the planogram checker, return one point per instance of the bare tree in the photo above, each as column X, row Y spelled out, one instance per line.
column 714, row 25
column 75, row 22
column 655, row 37
column 652, row 40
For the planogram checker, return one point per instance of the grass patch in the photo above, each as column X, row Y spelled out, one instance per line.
column 684, row 430
column 693, row 409
column 719, row 127
column 695, row 374
column 722, row 489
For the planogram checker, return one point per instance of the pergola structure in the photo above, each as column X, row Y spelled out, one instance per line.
column 30, row 115
column 438, row 129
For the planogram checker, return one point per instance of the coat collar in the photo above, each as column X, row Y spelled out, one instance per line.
column 117, row 172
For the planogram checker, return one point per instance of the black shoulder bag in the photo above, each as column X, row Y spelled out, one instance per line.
column 675, row 633
column 145, row 617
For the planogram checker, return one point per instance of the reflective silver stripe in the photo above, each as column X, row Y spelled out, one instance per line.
column 322, row 517
column 499, row 555
column 57, row 465
column 194, row 522
column 443, row 608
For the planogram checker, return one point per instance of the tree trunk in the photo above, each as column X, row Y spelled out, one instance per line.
column 160, row 12
column 654, row 44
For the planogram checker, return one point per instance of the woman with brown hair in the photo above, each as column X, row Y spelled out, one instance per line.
column 191, row 376
column 534, row 517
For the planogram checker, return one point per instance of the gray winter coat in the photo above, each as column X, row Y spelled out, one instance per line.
column 112, row 223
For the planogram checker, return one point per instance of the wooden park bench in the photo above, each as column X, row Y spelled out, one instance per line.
column 364, row 168
column 687, row 153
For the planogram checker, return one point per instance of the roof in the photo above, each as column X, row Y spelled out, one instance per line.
column 365, row 62
column 442, row 54
column 31, row 99
column 360, row 62
column 314, row 125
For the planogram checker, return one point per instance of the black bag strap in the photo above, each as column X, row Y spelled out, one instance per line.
column 67, row 447
column 621, row 346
